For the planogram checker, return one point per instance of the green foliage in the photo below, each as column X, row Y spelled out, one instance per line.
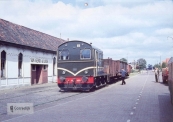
column 163, row 65
column 141, row 63
column 157, row 66
column 123, row 59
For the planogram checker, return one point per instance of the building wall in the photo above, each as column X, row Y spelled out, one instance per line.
column 12, row 65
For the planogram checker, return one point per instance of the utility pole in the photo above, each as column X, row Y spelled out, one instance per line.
column 160, row 64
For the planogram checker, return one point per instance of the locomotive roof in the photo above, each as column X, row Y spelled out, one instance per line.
column 83, row 42
column 97, row 49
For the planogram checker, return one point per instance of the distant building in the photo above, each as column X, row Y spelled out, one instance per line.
column 133, row 64
column 27, row 56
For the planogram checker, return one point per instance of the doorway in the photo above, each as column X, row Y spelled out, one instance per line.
column 39, row 74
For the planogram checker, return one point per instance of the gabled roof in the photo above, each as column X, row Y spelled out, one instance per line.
column 20, row 35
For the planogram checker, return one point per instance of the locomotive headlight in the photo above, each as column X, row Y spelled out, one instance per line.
column 62, row 79
column 86, row 71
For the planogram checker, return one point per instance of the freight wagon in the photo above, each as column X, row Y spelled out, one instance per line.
column 109, row 68
column 113, row 68
column 170, row 78
column 121, row 65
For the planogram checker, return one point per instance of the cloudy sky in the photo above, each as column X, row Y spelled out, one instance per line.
column 122, row 29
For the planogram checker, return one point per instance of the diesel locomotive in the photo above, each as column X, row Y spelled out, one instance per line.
column 80, row 66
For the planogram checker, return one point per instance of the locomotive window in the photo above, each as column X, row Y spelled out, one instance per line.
column 64, row 54
column 85, row 54
column 100, row 56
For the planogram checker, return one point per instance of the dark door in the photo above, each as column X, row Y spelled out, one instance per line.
column 39, row 74
column 33, row 74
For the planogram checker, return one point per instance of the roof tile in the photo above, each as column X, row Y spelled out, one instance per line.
column 13, row 33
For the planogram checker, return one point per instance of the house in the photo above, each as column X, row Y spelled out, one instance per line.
column 27, row 56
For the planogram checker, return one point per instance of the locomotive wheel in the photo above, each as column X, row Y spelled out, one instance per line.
column 97, row 82
column 94, row 86
column 111, row 80
column 101, row 81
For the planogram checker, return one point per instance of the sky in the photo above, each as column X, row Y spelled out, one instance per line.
column 130, row 29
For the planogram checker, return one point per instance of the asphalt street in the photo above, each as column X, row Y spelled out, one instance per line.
column 140, row 100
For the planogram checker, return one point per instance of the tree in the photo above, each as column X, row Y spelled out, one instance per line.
column 157, row 66
column 123, row 59
column 163, row 65
column 141, row 63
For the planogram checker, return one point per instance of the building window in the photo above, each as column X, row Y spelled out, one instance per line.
column 20, row 60
column 64, row 54
column 3, row 62
column 54, row 65
column 85, row 54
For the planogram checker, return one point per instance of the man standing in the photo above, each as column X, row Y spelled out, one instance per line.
column 156, row 74
column 123, row 75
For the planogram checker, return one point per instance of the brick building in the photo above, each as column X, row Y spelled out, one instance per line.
column 27, row 56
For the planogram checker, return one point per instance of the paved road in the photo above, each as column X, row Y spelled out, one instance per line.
column 140, row 100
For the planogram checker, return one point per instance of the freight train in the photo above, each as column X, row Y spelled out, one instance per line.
column 81, row 67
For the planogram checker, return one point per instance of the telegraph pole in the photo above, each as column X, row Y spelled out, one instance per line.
column 160, row 64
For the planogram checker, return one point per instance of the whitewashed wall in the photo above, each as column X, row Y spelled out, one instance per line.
column 12, row 65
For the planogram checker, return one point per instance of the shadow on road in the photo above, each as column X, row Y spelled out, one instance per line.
column 166, row 84
column 166, row 109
